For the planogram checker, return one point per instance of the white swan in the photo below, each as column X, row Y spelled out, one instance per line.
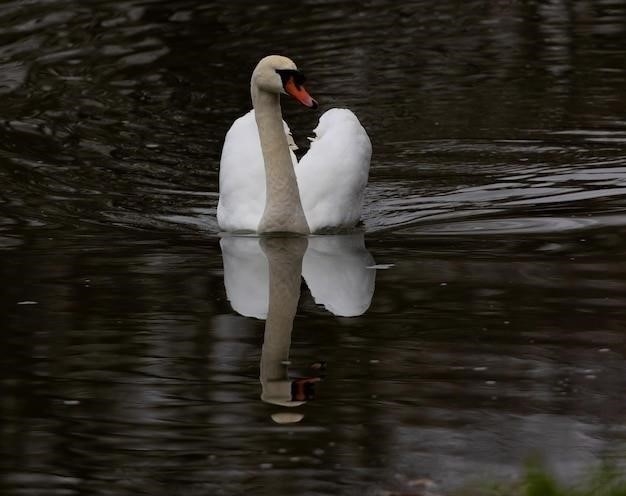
column 326, row 190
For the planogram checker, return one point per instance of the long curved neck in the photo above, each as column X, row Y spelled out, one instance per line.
column 283, row 207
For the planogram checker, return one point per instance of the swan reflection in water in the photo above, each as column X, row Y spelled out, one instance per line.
column 262, row 277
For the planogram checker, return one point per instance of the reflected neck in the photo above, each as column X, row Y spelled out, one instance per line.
column 284, row 258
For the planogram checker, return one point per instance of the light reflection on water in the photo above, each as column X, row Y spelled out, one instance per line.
column 492, row 329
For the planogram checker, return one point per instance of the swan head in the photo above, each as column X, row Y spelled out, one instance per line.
column 278, row 74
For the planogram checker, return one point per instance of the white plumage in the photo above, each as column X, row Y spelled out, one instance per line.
column 331, row 176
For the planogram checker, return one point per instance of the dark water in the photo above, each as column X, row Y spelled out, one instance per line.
column 478, row 320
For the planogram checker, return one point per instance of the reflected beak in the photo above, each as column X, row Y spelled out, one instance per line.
column 300, row 94
column 304, row 389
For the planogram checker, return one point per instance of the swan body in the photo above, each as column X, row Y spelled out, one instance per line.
column 324, row 191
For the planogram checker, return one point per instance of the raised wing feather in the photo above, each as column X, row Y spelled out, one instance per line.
column 333, row 174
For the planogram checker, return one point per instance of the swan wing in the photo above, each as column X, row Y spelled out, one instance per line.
column 242, row 176
column 333, row 174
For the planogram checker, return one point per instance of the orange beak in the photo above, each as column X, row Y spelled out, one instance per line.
column 299, row 93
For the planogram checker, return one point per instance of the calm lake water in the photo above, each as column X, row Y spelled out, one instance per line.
column 476, row 320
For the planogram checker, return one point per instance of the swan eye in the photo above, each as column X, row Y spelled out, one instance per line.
column 287, row 74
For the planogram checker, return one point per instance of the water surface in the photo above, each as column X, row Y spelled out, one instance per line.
column 476, row 319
